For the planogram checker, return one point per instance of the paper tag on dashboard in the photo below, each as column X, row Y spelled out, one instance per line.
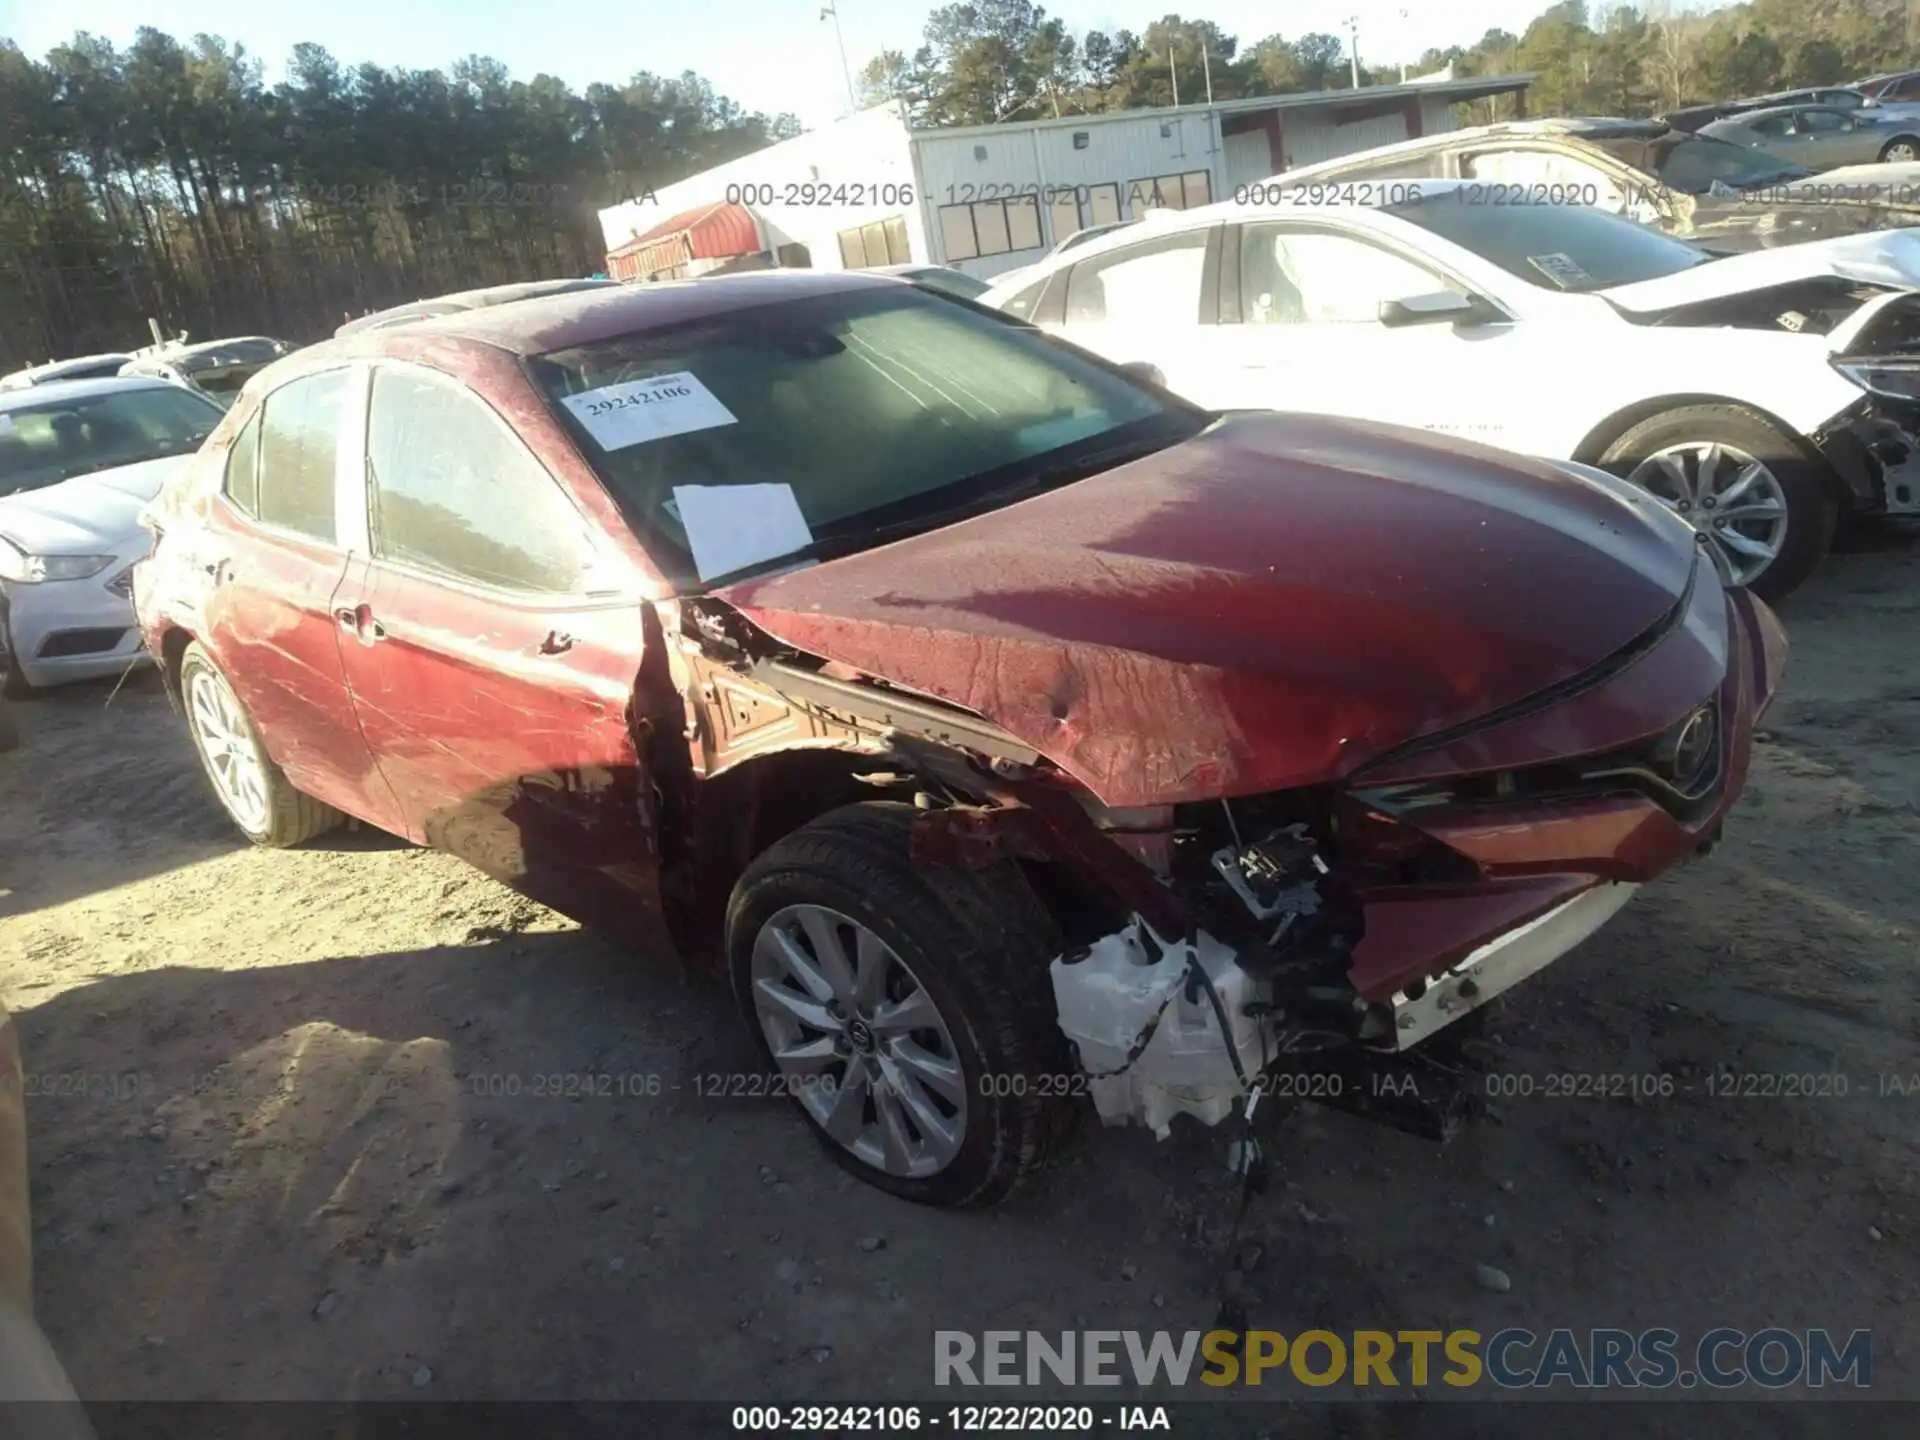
column 1560, row 268
column 637, row 411
column 730, row 527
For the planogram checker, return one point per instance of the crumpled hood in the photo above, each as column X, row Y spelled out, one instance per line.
column 1270, row 604
column 1878, row 257
column 95, row 514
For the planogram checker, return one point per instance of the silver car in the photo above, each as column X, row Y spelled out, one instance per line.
column 1819, row 137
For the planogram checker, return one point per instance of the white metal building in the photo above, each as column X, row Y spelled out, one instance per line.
column 867, row 190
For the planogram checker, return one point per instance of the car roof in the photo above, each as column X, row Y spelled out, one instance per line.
column 56, row 390
column 52, row 366
column 459, row 300
column 582, row 317
column 202, row 347
column 1767, row 112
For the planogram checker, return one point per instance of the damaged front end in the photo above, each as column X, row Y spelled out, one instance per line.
column 1874, row 446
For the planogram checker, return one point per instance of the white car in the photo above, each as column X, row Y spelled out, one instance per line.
column 79, row 460
column 1760, row 396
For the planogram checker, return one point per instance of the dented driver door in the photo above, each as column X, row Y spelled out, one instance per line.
column 491, row 657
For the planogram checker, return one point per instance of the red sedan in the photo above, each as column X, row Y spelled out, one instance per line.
column 1009, row 730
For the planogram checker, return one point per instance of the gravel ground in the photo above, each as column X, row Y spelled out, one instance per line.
column 293, row 1139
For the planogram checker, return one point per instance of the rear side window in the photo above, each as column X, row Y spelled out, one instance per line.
column 299, row 439
column 242, row 482
column 1154, row 282
column 455, row 494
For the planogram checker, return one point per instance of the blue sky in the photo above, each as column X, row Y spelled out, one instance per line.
column 767, row 54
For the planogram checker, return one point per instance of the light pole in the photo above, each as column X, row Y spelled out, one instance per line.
column 829, row 12
column 1353, row 47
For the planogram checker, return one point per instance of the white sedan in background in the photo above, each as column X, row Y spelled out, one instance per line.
column 1763, row 396
column 79, row 460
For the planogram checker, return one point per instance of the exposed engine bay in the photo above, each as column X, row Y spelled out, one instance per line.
column 1815, row 306
column 1255, row 995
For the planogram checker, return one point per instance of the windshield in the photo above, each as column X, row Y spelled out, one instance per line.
column 1559, row 247
column 1693, row 162
column 49, row 441
column 828, row 424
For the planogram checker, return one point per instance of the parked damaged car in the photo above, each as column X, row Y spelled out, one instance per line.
column 1005, row 728
column 217, row 369
column 1764, row 397
column 1725, row 197
column 79, row 460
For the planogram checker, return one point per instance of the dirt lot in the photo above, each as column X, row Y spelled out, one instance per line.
column 290, row 1170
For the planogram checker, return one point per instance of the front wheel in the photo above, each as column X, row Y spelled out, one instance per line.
column 254, row 791
column 1743, row 483
column 907, row 1012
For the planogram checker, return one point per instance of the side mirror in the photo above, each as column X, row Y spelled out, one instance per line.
column 1146, row 371
column 1443, row 307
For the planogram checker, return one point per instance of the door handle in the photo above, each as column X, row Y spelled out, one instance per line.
column 556, row 643
column 359, row 619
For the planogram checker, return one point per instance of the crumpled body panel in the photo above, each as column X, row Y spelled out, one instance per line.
column 1268, row 605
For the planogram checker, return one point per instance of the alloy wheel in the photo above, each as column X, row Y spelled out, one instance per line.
column 226, row 742
column 1725, row 494
column 1901, row 153
column 859, row 1041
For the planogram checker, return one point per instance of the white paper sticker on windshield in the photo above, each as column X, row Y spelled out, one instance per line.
column 637, row 411
column 1562, row 269
column 730, row 527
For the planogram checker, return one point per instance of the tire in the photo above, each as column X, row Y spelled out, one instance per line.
column 1901, row 149
column 1812, row 501
column 14, row 685
column 285, row 817
column 976, row 943
column 9, row 728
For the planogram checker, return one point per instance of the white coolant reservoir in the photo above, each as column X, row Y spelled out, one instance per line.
column 1127, row 983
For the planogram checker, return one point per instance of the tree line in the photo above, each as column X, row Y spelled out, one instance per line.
column 167, row 179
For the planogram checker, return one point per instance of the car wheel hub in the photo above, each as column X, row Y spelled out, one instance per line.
column 1726, row 495
column 220, row 730
column 859, row 1041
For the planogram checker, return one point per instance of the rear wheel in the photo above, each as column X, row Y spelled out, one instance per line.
column 1741, row 482
column 907, row 1012
column 1901, row 150
column 254, row 792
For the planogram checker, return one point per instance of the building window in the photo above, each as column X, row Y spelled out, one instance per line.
column 1169, row 192
column 1080, row 207
column 884, row 242
column 992, row 227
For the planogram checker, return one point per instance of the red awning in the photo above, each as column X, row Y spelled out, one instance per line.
column 712, row 232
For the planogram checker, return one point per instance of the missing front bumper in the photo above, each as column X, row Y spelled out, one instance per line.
column 1503, row 962
column 1876, row 454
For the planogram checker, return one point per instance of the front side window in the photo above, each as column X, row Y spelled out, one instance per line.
column 1771, row 125
column 299, row 447
column 1155, row 282
column 451, row 492
column 1558, row 247
column 241, row 480
column 830, row 423
column 1314, row 277
column 1822, row 122
column 53, row 440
